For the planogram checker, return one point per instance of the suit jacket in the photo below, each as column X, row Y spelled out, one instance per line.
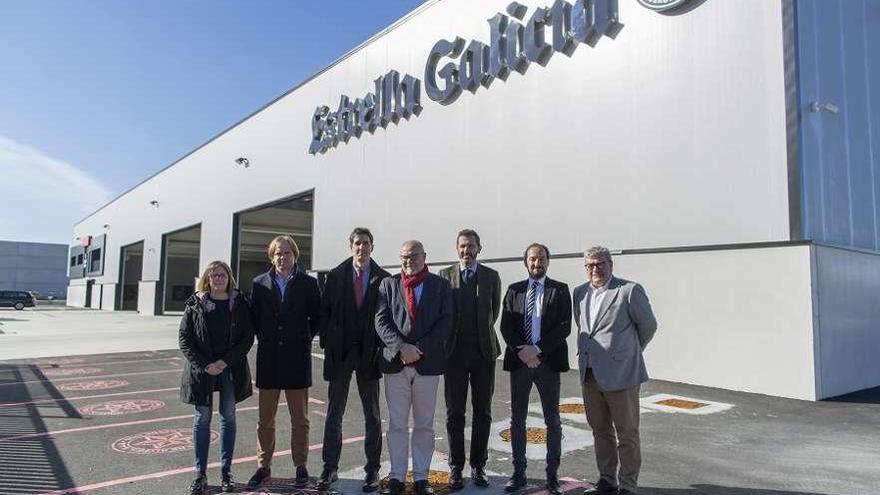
column 285, row 330
column 433, row 323
column 555, row 324
column 613, row 344
column 338, row 285
column 488, row 308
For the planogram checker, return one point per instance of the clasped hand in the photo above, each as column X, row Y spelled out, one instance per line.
column 216, row 367
column 409, row 354
column 529, row 355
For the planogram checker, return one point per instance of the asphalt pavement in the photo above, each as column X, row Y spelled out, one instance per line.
column 112, row 423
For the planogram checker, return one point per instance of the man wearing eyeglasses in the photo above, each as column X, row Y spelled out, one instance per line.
column 413, row 320
column 615, row 323
column 535, row 321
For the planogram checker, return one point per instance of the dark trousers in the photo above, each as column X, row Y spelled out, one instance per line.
column 465, row 368
column 338, row 397
column 547, row 382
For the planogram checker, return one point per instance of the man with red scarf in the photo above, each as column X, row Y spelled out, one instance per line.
column 413, row 319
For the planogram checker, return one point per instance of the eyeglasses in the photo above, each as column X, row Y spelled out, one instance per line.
column 592, row 266
column 410, row 257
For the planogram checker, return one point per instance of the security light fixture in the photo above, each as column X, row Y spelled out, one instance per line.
column 244, row 162
column 154, row 203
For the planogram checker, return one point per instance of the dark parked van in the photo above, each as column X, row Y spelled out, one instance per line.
column 17, row 299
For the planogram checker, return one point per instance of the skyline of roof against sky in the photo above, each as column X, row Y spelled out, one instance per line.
column 97, row 96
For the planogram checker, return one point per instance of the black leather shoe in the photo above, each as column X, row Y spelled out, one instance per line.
column 261, row 476
column 328, row 477
column 456, row 481
column 602, row 488
column 423, row 488
column 371, row 482
column 552, row 485
column 394, row 487
column 227, row 484
column 479, row 478
column 515, row 483
column 198, row 485
column 302, row 476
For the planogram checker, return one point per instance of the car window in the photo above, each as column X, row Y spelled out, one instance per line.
column 4, row 294
column 24, row 294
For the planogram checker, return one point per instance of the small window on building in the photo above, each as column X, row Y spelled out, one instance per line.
column 79, row 259
column 73, row 261
column 95, row 261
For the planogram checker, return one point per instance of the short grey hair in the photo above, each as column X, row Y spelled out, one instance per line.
column 598, row 252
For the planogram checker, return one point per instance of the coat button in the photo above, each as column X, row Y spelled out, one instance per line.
column 280, row 327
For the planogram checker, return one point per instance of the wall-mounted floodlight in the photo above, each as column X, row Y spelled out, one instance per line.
column 107, row 226
column 154, row 203
column 244, row 162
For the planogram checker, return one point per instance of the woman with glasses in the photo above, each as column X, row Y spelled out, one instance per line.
column 216, row 334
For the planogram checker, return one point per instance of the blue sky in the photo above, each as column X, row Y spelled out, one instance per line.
column 97, row 95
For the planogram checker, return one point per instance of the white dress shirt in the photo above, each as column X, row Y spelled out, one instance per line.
column 595, row 296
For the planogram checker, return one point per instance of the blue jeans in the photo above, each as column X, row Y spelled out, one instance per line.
column 202, row 426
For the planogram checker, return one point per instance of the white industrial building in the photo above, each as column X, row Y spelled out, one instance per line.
column 726, row 149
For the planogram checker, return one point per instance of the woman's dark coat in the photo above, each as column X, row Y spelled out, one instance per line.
column 285, row 330
column 196, row 385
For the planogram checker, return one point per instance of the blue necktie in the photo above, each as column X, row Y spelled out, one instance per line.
column 532, row 297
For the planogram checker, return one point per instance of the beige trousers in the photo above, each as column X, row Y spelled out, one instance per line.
column 298, row 406
column 609, row 413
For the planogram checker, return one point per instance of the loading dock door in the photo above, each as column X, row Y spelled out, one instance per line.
column 256, row 228
column 131, row 261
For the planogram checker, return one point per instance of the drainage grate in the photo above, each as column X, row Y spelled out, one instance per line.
column 534, row 435
column 572, row 408
column 681, row 404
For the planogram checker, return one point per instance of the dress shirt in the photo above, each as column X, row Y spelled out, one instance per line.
column 281, row 281
column 464, row 268
column 595, row 296
column 539, row 302
column 366, row 276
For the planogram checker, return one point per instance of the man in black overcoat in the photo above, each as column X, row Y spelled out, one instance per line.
column 351, row 346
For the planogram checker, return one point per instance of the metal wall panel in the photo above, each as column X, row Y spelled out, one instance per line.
column 839, row 73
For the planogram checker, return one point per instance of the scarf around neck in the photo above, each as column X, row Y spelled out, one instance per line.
column 409, row 285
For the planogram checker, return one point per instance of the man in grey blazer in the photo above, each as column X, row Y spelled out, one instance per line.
column 615, row 323
column 413, row 319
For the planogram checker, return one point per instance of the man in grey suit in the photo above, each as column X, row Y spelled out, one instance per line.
column 615, row 323
column 413, row 319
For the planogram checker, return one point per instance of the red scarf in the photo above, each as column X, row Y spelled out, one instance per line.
column 409, row 286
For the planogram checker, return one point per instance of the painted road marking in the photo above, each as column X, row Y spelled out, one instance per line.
column 93, row 377
column 61, row 364
column 173, row 472
column 99, row 396
column 139, row 422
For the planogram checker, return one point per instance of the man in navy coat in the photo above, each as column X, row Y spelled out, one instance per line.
column 286, row 308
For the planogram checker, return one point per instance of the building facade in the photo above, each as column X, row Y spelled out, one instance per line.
column 724, row 149
column 36, row 267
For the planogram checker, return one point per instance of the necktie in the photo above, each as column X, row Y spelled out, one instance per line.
column 359, row 287
column 532, row 296
column 467, row 275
